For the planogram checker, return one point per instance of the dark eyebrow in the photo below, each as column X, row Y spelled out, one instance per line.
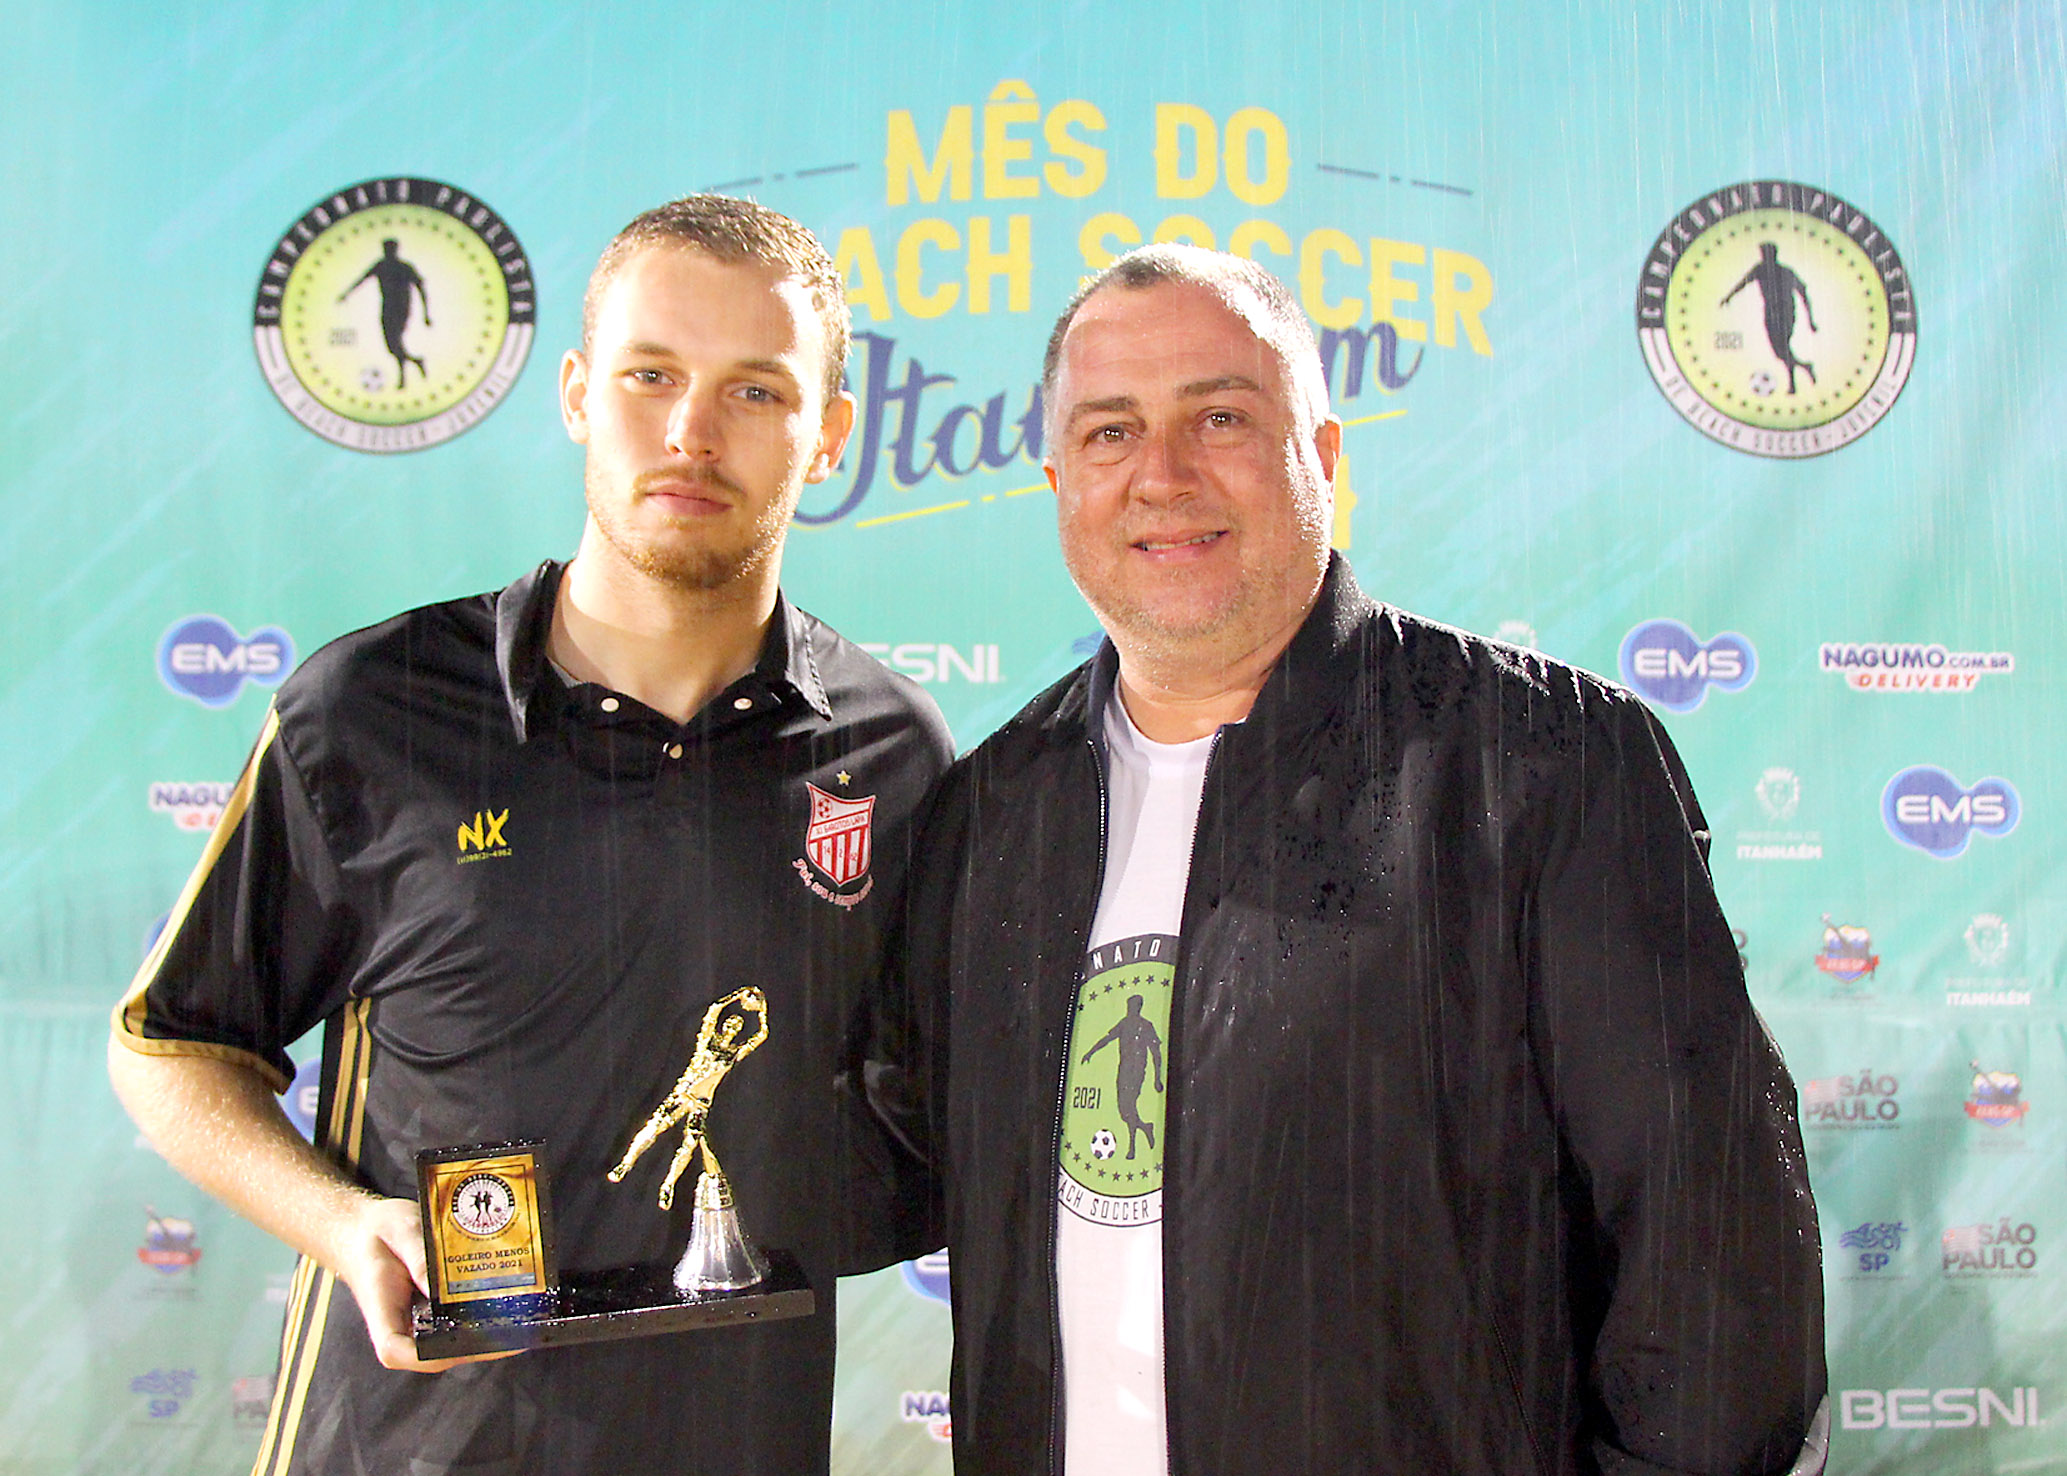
column 1106, row 406
column 643, row 349
column 1214, row 386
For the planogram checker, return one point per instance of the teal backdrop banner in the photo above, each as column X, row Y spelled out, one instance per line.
column 1714, row 348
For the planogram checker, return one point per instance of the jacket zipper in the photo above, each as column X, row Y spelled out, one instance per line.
column 1170, row 1095
column 1069, row 1023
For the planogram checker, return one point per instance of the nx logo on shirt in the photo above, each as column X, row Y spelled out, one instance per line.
column 204, row 658
column 1666, row 663
column 1925, row 807
column 482, row 836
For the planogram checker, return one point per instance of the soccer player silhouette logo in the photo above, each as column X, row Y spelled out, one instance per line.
column 398, row 282
column 1138, row 1042
column 1779, row 286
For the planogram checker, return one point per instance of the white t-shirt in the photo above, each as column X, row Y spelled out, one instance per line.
column 1108, row 1232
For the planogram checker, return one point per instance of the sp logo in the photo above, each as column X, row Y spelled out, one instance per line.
column 1927, row 808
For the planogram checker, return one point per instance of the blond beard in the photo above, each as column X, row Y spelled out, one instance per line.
column 693, row 567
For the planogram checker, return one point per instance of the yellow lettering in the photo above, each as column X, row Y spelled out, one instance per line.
column 1253, row 233
column 1173, row 121
column 855, row 260
column 1345, row 503
column 1462, row 289
column 1001, row 150
column 472, row 834
column 906, row 169
column 1185, row 228
column 1313, row 286
column 1104, row 236
column 1090, row 174
column 1277, row 156
column 1014, row 263
column 495, row 824
column 1387, row 290
column 911, row 294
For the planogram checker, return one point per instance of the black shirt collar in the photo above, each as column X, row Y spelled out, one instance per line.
column 1302, row 687
column 524, row 621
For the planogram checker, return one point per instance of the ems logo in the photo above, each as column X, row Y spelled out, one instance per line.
column 837, row 846
column 394, row 314
column 204, row 658
column 1776, row 318
column 1997, row 1098
column 1925, row 807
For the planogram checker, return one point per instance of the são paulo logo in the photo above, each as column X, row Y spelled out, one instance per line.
column 1665, row 663
column 204, row 658
column 2001, row 1247
column 1777, row 318
column 1925, row 807
column 1869, row 1099
column 394, row 314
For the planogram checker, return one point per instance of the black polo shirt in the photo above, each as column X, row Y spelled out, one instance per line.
column 510, row 900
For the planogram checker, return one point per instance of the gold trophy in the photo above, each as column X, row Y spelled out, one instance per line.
column 488, row 1295
column 719, row 1257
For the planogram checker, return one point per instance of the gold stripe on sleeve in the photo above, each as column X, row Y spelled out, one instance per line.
column 129, row 1014
column 308, row 1312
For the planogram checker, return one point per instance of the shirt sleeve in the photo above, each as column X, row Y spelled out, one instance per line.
column 250, row 958
column 1694, row 1249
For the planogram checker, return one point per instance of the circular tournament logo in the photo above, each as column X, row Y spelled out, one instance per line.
column 483, row 1204
column 394, row 315
column 1777, row 319
column 1116, row 1083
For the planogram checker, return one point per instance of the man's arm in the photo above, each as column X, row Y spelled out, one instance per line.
column 219, row 1124
column 1695, row 1249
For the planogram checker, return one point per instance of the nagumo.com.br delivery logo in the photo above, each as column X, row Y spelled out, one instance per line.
column 1910, row 666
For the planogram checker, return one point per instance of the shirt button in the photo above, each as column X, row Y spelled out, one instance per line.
column 608, row 704
column 742, row 703
column 674, row 750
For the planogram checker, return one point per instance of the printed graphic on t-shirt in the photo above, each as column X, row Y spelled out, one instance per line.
column 1115, row 1086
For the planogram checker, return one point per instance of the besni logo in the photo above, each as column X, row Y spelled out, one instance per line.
column 204, row 658
column 1926, row 807
column 1667, row 664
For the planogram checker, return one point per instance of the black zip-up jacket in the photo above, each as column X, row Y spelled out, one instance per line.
column 1478, row 1159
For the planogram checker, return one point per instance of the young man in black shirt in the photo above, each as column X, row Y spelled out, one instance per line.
column 507, row 850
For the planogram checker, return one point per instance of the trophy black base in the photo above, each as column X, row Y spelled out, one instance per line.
column 595, row 1306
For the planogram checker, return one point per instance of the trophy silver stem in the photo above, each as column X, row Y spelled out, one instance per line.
column 719, row 1257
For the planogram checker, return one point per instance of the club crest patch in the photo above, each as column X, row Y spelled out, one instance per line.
column 838, row 841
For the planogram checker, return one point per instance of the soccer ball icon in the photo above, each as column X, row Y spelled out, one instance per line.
column 1762, row 383
column 372, row 379
column 1103, row 1144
